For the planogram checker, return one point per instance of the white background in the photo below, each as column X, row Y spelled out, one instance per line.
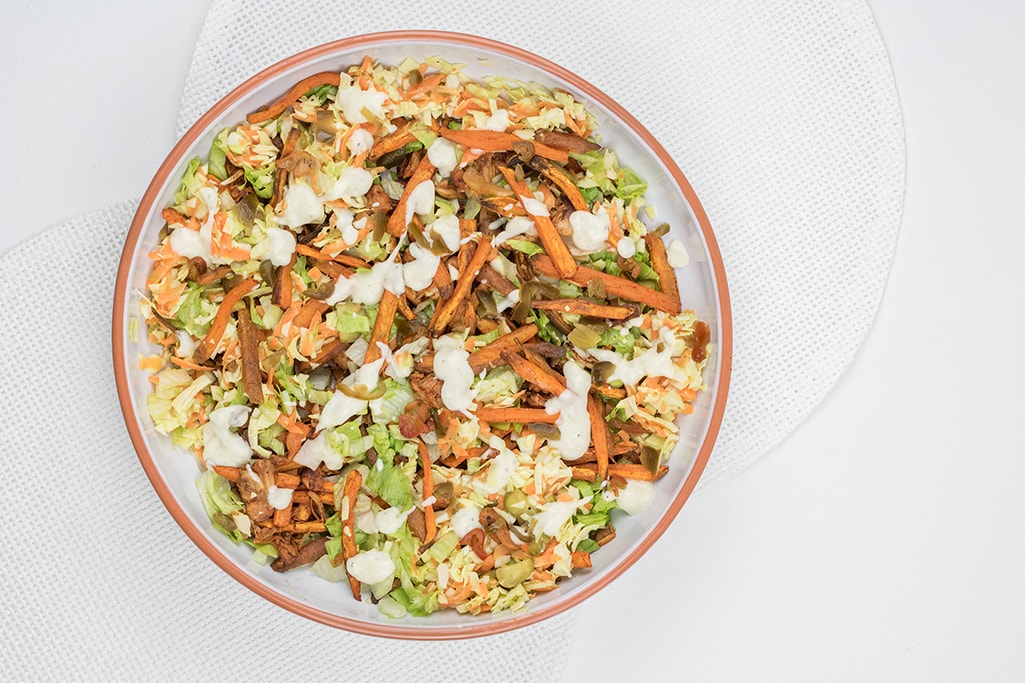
column 885, row 538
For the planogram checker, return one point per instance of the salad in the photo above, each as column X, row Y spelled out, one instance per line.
column 420, row 336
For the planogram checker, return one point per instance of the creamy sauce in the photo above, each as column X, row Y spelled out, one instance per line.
column 636, row 496
column 370, row 566
column 648, row 363
column 419, row 272
column 277, row 247
column 466, row 519
column 351, row 100
column 222, row 446
column 454, row 371
column 574, row 422
column 510, row 301
column 518, row 225
column 341, row 407
column 442, row 154
column 534, row 206
column 677, row 254
column 447, row 229
column 360, row 141
column 421, row 200
column 500, row 468
column 626, row 248
column 367, row 287
column 302, row 206
column 590, row 231
column 352, row 182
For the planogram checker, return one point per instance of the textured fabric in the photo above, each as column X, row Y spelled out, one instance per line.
column 783, row 115
column 111, row 589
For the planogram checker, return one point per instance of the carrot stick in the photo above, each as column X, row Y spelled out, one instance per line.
column 382, row 325
column 293, row 95
column 229, row 473
column 282, row 294
column 551, row 240
column 252, row 377
column 599, row 436
column 660, row 264
column 581, row 307
column 498, row 141
column 625, row 470
column 397, row 219
column 391, row 142
column 566, row 141
column 581, row 472
column 211, row 276
column 540, row 377
column 321, row 255
column 490, row 355
column 428, row 493
column 615, row 286
column 521, row 415
column 307, row 527
column 206, row 347
column 353, row 482
column 560, row 180
column 445, row 311
column 610, row 392
column 310, row 312
column 282, row 517
column 496, row 281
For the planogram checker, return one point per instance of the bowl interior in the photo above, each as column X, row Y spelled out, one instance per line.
column 702, row 283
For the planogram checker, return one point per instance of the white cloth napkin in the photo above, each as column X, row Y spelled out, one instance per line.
column 783, row 115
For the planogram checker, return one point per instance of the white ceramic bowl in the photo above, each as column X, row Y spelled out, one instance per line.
column 702, row 283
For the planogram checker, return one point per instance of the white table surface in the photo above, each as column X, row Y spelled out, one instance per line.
column 884, row 539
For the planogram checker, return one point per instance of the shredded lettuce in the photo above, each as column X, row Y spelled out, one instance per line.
column 220, row 502
column 396, row 397
column 190, row 183
column 390, row 482
column 262, row 180
column 218, row 155
column 528, row 248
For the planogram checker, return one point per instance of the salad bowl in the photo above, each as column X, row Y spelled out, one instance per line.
column 702, row 290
